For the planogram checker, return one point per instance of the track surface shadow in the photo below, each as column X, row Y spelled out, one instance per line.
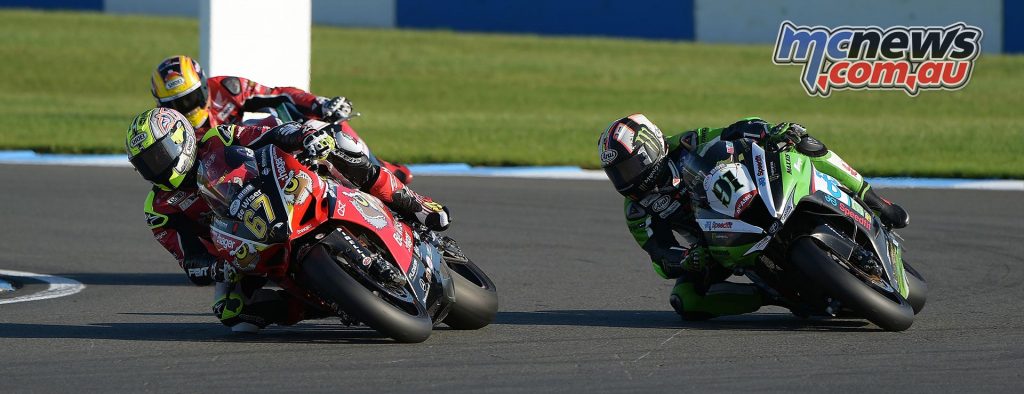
column 194, row 332
column 128, row 278
column 670, row 320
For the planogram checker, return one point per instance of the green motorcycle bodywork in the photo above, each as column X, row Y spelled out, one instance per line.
column 750, row 195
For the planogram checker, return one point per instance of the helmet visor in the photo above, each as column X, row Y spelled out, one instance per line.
column 187, row 102
column 625, row 174
column 156, row 160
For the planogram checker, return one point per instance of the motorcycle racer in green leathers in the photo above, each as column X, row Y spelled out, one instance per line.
column 642, row 164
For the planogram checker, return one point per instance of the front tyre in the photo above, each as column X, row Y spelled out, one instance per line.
column 891, row 314
column 476, row 299
column 326, row 278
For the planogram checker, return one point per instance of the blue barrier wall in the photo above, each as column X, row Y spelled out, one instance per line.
column 91, row 5
column 657, row 19
column 1013, row 26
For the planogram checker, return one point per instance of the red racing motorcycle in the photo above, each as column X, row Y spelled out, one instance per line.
column 339, row 249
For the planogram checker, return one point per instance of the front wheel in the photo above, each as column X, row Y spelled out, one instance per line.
column 891, row 313
column 476, row 299
column 326, row 278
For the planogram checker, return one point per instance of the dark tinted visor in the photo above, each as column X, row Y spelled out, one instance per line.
column 187, row 103
column 157, row 159
column 625, row 173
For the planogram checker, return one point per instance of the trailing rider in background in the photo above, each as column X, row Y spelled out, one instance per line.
column 179, row 83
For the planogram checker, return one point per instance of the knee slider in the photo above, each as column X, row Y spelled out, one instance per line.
column 811, row 147
column 682, row 294
column 228, row 309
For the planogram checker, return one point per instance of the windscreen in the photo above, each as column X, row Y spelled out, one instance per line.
column 222, row 177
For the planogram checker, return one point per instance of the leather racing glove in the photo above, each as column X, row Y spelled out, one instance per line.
column 786, row 134
column 318, row 143
column 331, row 110
column 679, row 260
column 312, row 137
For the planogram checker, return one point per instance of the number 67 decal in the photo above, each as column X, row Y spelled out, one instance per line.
column 255, row 223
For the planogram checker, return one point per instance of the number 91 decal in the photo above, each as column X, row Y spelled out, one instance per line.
column 726, row 185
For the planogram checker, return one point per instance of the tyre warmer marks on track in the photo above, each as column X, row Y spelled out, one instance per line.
column 57, row 286
column 559, row 172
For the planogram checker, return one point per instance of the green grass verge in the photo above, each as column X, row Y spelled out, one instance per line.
column 72, row 81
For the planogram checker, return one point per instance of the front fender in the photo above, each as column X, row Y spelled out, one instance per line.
column 366, row 211
column 840, row 244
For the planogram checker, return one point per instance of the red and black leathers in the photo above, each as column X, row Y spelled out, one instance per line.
column 230, row 97
column 179, row 218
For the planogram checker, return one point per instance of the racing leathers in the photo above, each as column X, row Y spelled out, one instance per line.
column 180, row 220
column 701, row 291
column 231, row 97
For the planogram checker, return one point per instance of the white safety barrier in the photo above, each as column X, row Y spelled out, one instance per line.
column 267, row 41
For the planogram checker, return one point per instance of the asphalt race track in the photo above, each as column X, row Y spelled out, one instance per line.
column 581, row 309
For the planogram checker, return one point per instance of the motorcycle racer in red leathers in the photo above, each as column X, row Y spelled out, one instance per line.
column 163, row 147
column 179, row 83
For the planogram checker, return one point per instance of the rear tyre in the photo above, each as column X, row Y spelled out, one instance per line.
column 917, row 286
column 323, row 275
column 891, row 314
column 476, row 299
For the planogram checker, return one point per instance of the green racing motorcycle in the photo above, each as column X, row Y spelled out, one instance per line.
column 799, row 235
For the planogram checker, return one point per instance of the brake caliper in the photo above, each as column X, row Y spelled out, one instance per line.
column 383, row 271
column 866, row 261
column 451, row 251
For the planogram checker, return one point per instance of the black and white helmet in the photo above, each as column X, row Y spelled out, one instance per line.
column 633, row 155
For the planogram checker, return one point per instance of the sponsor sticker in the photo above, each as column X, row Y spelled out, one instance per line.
column 608, row 156
column 137, row 140
column 369, row 211
column 173, row 83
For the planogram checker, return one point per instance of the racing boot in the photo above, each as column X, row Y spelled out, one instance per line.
column 409, row 204
column 892, row 215
column 230, row 308
column 263, row 308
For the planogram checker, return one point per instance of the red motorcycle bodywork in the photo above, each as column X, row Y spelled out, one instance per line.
column 309, row 203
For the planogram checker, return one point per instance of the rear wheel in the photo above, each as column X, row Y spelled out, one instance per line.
column 891, row 311
column 326, row 278
column 476, row 299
